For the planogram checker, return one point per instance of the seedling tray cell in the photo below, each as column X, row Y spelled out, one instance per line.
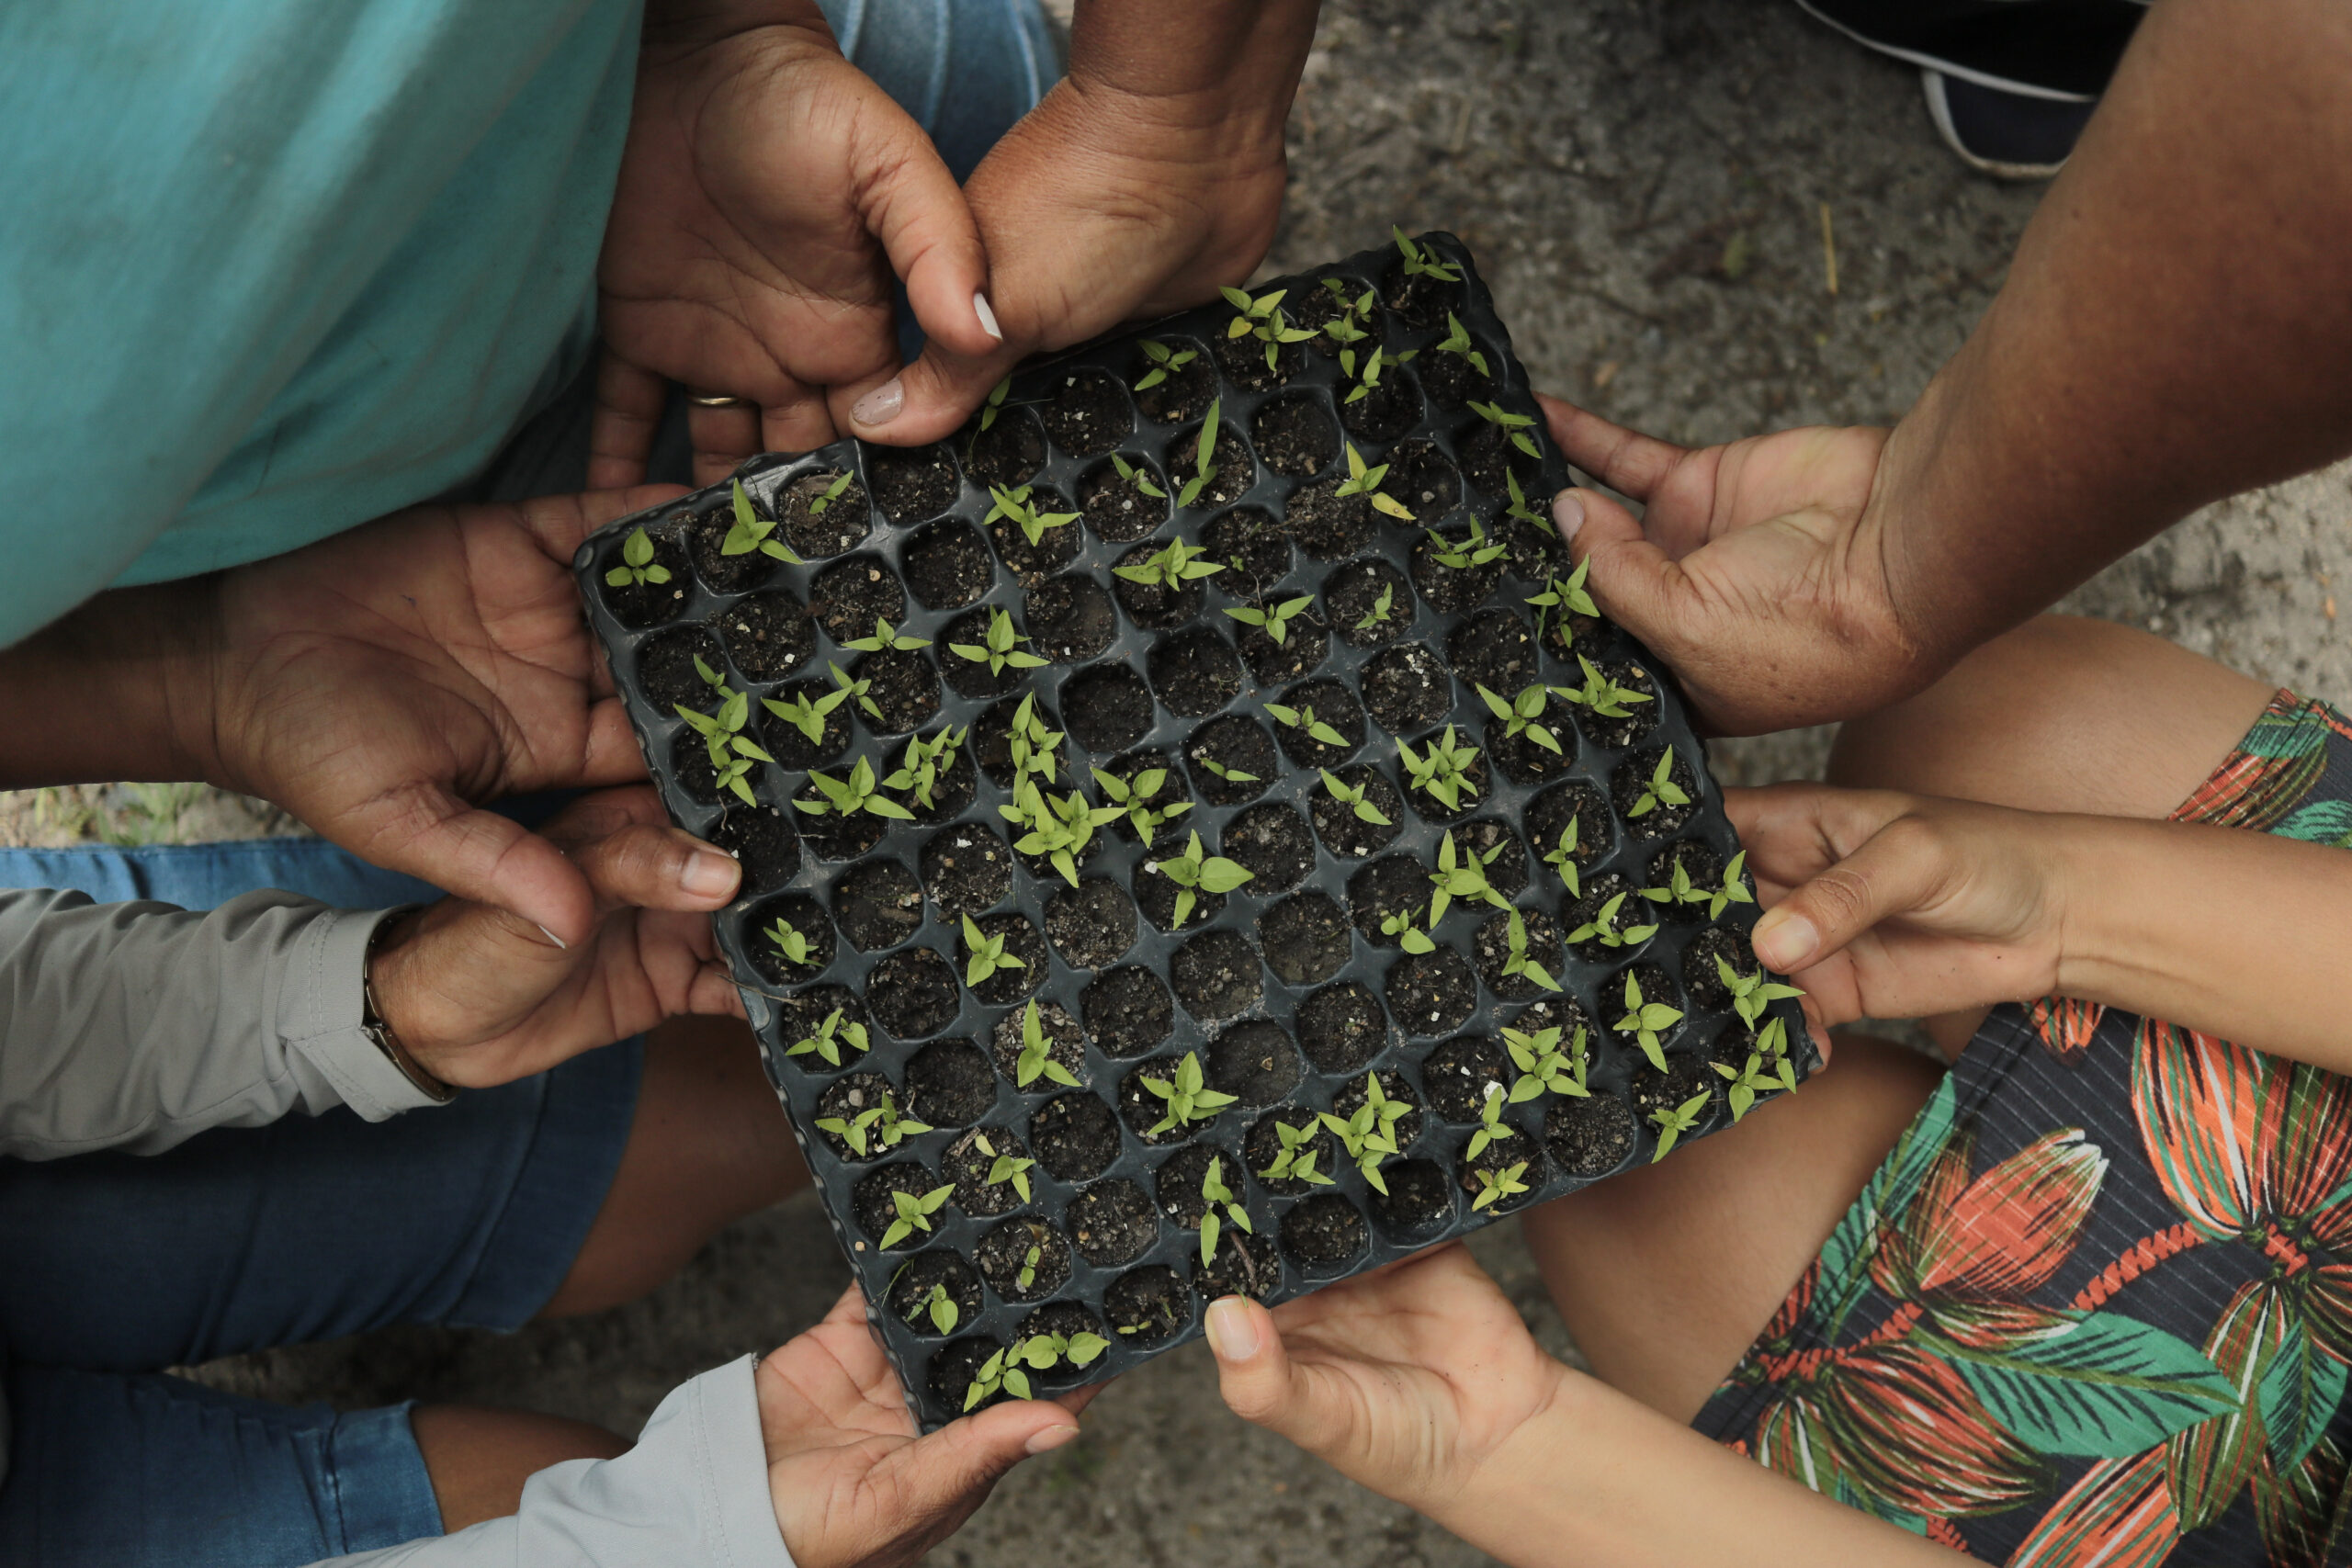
column 1286, row 989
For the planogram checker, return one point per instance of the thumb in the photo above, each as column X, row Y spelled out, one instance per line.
column 1631, row 578
column 428, row 833
column 1902, row 867
column 1255, row 1375
column 947, row 1474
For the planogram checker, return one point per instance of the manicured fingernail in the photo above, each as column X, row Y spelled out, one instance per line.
column 709, row 875
column 1233, row 1333
column 1049, row 1440
column 988, row 317
column 1568, row 512
column 1784, row 941
column 555, row 939
column 881, row 405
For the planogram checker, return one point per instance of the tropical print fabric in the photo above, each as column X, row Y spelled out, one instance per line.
column 2095, row 1309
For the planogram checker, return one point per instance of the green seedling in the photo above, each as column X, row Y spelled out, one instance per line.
column 1187, row 1095
column 1370, row 1135
column 1410, row 937
column 1008, row 1370
column 1164, row 362
column 805, row 715
column 1494, row 1186
column 1134, row 797
column 1661, row 790
column 1013, row 503
column 1672, row 1124
column 1382, row 608
column 1749, row 1080
column 1303, row 718
column 1230, row 776
column 1732, row 891
column 715, row 679
column 1545, row 1067
column 1203, row 470
column 1138, row 477
column 1193, row 875
column 750, row 531
column 1474, row 551
column 732, row 752
column 1644, row 1020
column 1462, row 875
column 1518, row 510
column 636, row 566
column 1036, row 1059
column 886, row 637
column 1420, row 262
column 1512, row 426
column 1059, row 828
column 1262, row 319
column 1442, row 769
column 818, row 505
column 797, row 948
column 1032, row 745
column 1752, row 994
column 941, row 1307
column 1364, row 479
column 846, row 797
column 829, row 1036
column 995, row 405
column 913, row 1213
column 1678, row 889
column 1517, row 961
column 1600, row 695
column 1567, row 595
column 1520, row 713
column 1347, row 327
column 1602, row 928
column 1275, row 621
column 880, row 1128
column 1027, row 1275
column 1563, row 858
column 1492, row 1128
column 989, row 954
column 999, row 647
column 1296, row 1160
column 1013, row 1168
column 1457, row 342
column 1355, row 797
column 1369, row 381
column 1217, row 1195
column 1173, row 565
column 856, row 689
column 925, row 764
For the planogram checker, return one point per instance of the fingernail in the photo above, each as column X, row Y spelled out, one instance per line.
column 1568, row 512
column 709, row 875
column 1232, row 1331
column 1784, row 941
column 555, row 939
column 881, row 405
column 988, row 317
column 1049, row 1440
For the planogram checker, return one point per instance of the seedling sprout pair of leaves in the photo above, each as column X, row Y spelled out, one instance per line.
column 1008, row 1370
column 1193, row 874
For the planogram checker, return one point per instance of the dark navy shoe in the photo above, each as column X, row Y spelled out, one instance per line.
column 2016, row 136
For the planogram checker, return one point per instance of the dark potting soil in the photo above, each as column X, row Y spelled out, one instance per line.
column 1499, row 849
column 1352, row 603
column 1274, row 844
column 1107, row 708
column 904, row 687
column 1386, row 410
column 1022, row 942
column 1215, row 976
column 1492, row 948
column 1578, row 804
column 1313, row 307
column 790, row 745
column 1406, row 687
column 1158, row 894
column 1255, row 1062
column 1450, row 380
column 1113, row 1223
column 1431, row 993
column 1487, row 455
column 1640, row 718
column 802, row 1015
column 1325, row 523
column 1264, row 1147
column 1243, row 1264
column 1425, row 480
column 982, row 677
column 1687, row 1079
column 1065, row 1047
column 912, row 484
column 965, row 869
column 1007, row 453
column 912, row 994
column 971, row 1159
column 1147, row 1306
column 1701, row 979
column 1182, row 394
column 1074, row 1136
column 769, row 635
column 806, row 916
column 665, row 667
column 765, row 844
column 1350, row 1096
column 1143, row 1110
column 1421, row 301
column 1154, row 605
column 1023, row 1248
column 1631, row 778
column 1055, row 548
column 1419, row 1198
column 1305, row 938
column 849, row 596
column 1522, row 1150
column 649, row 603
column 1128, row 1011
column 1235, row 470
column 1633, row 913
column 1323, row 1231
column 1093, row 924
column 1538, row 554
column 934, row 1268
column 877, row 905
column 950, row 793
column 1451, row 588
column 1391, row 886
column 1326, row 702
column 952, row 1371
column 1656, row 987
column 1194, row 672
column 1231, row 760
column 1494, row 649
column 870, row 1200
column 1243, row 360
column 1087, row 412
column 1250, row 548
column 1177, row 1183
column 1699, row 866
column 1460, row 1074
column 1341, row 1027
column 948, row 565
column 1294, row 436
column 949, row 1084
column 1172, row 791
column 838, row 839
column 1274, row 661
column 817, row 525
column 1342, row 825
column 1588, row 1138
column 690, row 762
column 706, row 535
column 1069, row 619
column 846, row 1099
column 1118, row 508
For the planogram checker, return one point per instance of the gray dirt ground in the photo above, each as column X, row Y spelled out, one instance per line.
column 1643, row 183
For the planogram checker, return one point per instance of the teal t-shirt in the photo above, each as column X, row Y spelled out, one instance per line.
column 269, row 268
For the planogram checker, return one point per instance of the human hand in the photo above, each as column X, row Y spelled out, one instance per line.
column 378, row 684
column 768, row 192
column 480, row 997
column 855, row 1485
column 1759, row 570
column 1147, row 179
column 1885, row 905
column 1407, row 1379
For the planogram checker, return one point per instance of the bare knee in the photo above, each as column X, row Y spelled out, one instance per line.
column 2064, row 713
column 478, row 1458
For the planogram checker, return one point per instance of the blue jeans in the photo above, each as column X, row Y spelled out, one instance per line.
column 113, row 1268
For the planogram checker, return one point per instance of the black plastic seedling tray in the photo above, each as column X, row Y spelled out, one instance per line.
column 1286, row 988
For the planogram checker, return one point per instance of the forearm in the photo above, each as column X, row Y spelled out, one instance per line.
column 1600, row 1481
column 1221, row 67
column 2174, row 327
column 116, row 690
column 2235, row 933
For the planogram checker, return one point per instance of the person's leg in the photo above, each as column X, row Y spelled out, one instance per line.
column 478, row 1458
column 1664, row 1275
